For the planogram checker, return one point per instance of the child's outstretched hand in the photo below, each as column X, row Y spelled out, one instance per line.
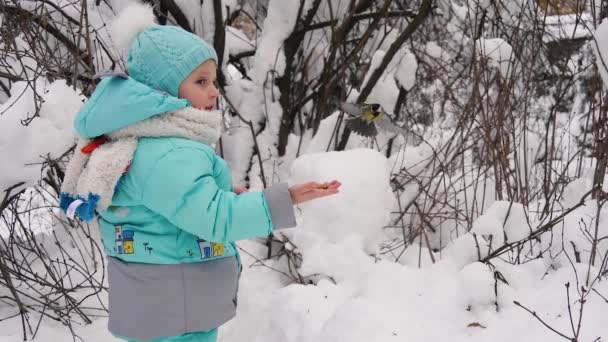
column 312, row 190
column 240, row 189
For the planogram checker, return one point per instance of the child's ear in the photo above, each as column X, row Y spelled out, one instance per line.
column 180, row 90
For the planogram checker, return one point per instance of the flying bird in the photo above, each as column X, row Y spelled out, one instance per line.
column 365, row 119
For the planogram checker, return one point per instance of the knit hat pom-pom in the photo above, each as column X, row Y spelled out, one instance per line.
column 131, row 21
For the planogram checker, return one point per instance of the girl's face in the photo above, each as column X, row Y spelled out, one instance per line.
column 200, row 86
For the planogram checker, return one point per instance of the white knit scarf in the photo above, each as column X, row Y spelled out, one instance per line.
column 91, row 178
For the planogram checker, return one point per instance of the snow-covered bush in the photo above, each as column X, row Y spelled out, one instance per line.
column 499, row 182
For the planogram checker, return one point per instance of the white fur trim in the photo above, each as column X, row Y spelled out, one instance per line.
column 105, row 167
column 195, row 124
column 99, row 172
column 131, row 21
column 74, row 168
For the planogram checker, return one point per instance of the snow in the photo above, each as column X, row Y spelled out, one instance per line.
column 600, row 45
column 464, row 250
column 503, row 218
column 385, row 92
column 433, row 50
column 498, row 53
column 573, row 235
column 355, row 215
column 354, row 296
column 39, row 218
column 353, row 290
column 247, row 98
column 269, row 55
column 321, row 140
column 51, row 134
column 391, row 302
column 477, row 283
column 201, row 16
column 406, row 72
column 567, row 26
column 25, row 64
column 237, row 41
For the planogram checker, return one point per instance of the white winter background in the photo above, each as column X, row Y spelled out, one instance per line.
column 355, row 287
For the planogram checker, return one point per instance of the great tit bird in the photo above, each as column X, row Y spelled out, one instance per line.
column 367, row 118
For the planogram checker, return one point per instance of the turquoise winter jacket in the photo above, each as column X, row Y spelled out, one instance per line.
column 170, row 230
column 176, row 205
column 176, row 202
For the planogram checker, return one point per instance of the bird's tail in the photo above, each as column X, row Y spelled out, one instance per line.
column 361, row 127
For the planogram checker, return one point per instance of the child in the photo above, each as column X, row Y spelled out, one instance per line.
column 167, row 212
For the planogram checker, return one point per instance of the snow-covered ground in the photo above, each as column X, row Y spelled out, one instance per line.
column 355, row 296
column 354, row 290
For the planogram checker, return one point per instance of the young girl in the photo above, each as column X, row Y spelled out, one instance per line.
column 166, row 207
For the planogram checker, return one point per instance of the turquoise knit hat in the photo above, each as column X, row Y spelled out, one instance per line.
column 163, row 56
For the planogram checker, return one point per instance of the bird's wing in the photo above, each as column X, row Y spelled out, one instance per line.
column 362, row 127
column 386, row 124
column 351, row 108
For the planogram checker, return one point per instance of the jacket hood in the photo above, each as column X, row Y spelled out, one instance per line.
column 120, row 101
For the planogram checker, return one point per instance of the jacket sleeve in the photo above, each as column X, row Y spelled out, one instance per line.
column 181, row 188
column 280, row 206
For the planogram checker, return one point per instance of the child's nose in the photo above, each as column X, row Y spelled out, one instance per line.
column 215, row 92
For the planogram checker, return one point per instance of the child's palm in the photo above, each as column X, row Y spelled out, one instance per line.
column 313, row 190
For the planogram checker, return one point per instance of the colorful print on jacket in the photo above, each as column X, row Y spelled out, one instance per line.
column 175, row 205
